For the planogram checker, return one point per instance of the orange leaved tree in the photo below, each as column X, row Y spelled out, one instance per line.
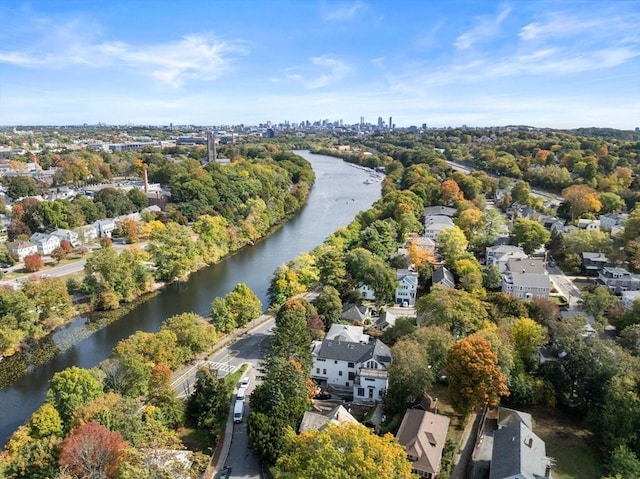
column 475, row 378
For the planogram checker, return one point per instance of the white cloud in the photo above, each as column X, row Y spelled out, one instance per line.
column 321, row 71
column 378, row 62
column 485, row 28
column 201, row 57
column 344, row 12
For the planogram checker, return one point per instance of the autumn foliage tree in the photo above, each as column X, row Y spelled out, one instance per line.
column 582, row 199
column 33, row 263
column 92, row 451
column 475, row 378
column 343, row 452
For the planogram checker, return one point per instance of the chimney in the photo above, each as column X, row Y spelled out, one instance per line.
column 146, row 179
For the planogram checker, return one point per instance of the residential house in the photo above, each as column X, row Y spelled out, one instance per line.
column 629, row 298
column 386, row 320
column 618, row 280
column 443, row 277
column 508, row 417
column 518, row 453
column 613, row 219
column 423, row 435
column 104, row 228
column 21, row 249
column 517, row 210
column 552, row 224
column 86, row 234
column 407, row 287
column 592, row 263
column 46, row 243
column 319, row 420
column 350, row 363
column 440, row 210
column 366, row 292
column 355, row 313
column 589, row 225
column 498, row 255
column 68, row 235
column 434, row 225
column 526, row 278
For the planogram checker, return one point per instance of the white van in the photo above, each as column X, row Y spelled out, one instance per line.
column 242, row 392
column 238, row 412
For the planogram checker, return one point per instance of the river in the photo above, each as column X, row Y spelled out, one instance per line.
column 338, row 194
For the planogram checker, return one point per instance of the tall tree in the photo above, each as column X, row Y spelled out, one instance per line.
column 530, row 235
column 92, row 451
column 410, row 374
column 453, row 243
column 173, row 251
column 243, row 304
column 343, row 452
column 582, row 199
column 458, row 311
column 329, row 305
column 475, row 378
column 71, row 388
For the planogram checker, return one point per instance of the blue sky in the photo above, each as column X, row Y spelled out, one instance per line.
column 554, row 63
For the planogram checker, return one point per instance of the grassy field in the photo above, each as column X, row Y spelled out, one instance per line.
column 568, row 443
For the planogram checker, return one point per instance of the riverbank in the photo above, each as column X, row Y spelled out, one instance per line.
column 337, row 196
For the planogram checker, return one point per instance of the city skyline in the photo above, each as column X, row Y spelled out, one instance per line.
column 544, row 64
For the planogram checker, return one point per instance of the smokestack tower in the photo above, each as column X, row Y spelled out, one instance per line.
column 211, row 147
column 145, row 179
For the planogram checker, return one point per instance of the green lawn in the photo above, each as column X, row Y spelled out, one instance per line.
column 568, row 443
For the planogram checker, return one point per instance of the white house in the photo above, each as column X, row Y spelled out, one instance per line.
column 21, row 249
column 104, row 228
column 434, row 225
column 499, row 255
column 348, row 362
column 407, row 287
column 589, row 225
column 46, row 243
column 526, row 278
column 86, row 234
column 628, row 298
column 366, row 292
column 70, row 236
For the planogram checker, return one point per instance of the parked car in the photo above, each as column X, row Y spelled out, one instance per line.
column 225, row 473
column 244, row 382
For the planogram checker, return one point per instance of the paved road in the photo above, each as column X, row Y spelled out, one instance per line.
column 248, row 349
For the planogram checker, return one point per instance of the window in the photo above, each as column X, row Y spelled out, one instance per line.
column 339, row 373
column 369, row 379
column 360, row 392
column 317, row 370
column 352, row 365
column 352, row 376
column 324, row 371
column 335, row 362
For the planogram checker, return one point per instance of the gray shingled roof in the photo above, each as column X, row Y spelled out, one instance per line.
column 518, row 452
column 530, row 280
column 443, row 277
column 355, row 352
column 439, row 210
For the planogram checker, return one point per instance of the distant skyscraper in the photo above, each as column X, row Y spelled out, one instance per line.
column 390, row 122
column 380, row 122
column 362, row 121
column 424, row 126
